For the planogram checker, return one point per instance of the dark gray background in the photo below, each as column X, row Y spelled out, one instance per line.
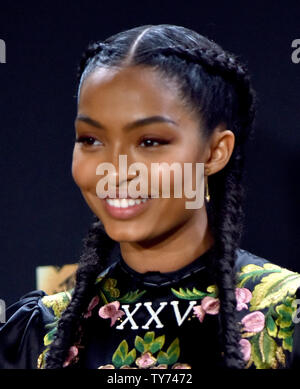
column 43, row 217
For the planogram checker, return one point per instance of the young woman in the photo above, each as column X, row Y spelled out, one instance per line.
column 160, row 285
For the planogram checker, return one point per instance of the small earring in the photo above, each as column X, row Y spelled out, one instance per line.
column 207, row 195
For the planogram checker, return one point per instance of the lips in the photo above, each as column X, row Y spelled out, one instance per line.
column 125, row 208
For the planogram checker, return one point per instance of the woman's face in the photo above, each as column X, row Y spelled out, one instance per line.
column 116, row 116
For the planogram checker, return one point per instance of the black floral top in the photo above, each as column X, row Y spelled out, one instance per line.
column 163, row 320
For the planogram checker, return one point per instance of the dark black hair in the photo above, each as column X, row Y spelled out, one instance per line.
column 215, row 85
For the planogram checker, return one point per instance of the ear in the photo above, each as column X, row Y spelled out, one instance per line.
column 220, row 148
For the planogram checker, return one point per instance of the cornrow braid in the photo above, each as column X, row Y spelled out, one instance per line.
column 88, row 269
column 218, row 62
column 226, row 224
column 90, row 52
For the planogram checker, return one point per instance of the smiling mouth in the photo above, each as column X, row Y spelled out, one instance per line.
column 125, row 208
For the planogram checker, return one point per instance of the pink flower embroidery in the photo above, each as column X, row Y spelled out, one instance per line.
column 243, row 296
column 145, row 360
column 111, row 311
column 210, row 305
column 73, row 352
column 92, row 305
column 199, row 312
column 246, row 349
column 254, row 322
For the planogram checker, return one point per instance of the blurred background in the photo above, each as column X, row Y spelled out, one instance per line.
column 43, row 217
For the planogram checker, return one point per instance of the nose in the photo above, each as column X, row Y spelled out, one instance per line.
column 119, row 159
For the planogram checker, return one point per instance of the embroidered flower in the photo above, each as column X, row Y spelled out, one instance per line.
column 73, row 352
column 106, row 367
column 199, row 312
column 145, row 360
column 243, row 296
column 246, row 349
column 127, row 367
column 111, row 311
column 92, row 305
column 211, row 305
column 254, row 322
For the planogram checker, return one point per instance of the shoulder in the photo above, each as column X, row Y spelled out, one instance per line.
column 274, row 282
column 267, row 304
column 27, row 322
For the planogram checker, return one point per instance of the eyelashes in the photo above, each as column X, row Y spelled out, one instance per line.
column 86, row 140
column 148, row 142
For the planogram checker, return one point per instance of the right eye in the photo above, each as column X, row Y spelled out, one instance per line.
column 87, row 140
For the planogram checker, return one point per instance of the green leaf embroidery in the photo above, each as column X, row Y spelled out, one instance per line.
column 285, row 332
column 139, row 344
column 163, row 358
column 263, row 348
column 253, row 272
column 287, row 343
column 150, row 345
column 131, row 296
column 149, row 337
column 173, row 351
column 117, row 359
column 187, row 294
column 121, row 356
column 157, row 344
column 130, row 357
column 271, row 326
column 124, row 348
column 49, row 337
column 285, row 313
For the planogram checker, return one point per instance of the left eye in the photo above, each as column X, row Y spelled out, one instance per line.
column 86, row 140
column 151, row 142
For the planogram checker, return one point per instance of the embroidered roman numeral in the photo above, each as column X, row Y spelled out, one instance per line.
column 154, row 314
column 129, row 317
column 180, row 319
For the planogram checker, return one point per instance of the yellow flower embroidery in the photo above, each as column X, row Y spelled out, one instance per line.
column 57, row 302
column 109, row 286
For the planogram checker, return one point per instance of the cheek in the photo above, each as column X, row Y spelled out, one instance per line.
column 84, row 172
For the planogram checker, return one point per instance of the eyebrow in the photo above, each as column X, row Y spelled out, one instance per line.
column 130, row 126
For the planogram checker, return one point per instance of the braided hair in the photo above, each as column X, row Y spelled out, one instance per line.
column 216, row 86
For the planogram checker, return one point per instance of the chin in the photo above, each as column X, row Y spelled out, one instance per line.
column 125, row 234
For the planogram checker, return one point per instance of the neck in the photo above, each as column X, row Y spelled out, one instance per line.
column 172, row 251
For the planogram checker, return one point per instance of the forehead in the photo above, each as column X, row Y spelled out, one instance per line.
column 131, row 89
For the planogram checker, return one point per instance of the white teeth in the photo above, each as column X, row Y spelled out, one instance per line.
column 124, row 203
